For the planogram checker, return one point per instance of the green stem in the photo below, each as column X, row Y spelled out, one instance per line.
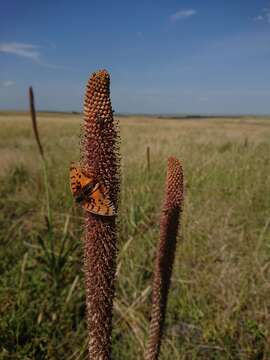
column 49, row 214
column 46, row 185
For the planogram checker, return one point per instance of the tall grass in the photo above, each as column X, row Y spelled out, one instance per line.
column 218, row 306
column 51, row 259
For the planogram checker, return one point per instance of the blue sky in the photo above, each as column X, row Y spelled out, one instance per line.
column 163, row 56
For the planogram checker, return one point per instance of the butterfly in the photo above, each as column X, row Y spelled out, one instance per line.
column 93, row 196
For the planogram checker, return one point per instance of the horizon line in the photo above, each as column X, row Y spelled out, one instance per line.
column 149, row 114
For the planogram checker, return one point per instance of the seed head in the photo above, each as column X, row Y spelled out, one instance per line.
column 169, row 221
column 99, row 157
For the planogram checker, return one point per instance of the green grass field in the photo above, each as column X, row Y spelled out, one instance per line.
column 219, row 303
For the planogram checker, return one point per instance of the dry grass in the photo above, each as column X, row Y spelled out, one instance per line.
column 219, row 302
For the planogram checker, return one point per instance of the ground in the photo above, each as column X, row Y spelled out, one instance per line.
column 219, row 301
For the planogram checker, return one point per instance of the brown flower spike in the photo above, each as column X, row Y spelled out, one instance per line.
column 34, row 121
column 99, row 156
column 169, row 221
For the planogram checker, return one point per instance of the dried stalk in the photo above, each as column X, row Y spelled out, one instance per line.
column 169, row 222
column 148, row 158
column 34, row 121
column 100, row 149
column 32, row 109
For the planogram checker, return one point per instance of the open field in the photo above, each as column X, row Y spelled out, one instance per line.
column 219, row 304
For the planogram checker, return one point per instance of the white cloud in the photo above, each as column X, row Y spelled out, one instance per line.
column 183, row 14
column 203, row 98
column 21, row 49
column 264, row 16
column 52, row 44
column 259, row 18
column 267, row 16
column 29, row 51
column 8, row 83
column 139, row 34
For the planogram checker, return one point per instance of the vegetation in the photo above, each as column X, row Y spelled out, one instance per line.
column 218, row 306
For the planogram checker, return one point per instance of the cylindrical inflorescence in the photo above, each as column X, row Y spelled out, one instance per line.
column 34, row 121
column 169, row 222
column 100, row 158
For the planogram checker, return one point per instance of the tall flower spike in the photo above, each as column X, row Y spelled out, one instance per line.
column 169, row 221
column 34, row 121
column 100, row 157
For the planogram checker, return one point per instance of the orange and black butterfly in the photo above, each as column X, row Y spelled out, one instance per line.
column 92, row 196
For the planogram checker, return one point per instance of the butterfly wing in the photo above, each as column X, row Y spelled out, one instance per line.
column 99, row 202
column 78, row 180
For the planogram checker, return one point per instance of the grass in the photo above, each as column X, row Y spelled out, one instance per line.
column 219, row 301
